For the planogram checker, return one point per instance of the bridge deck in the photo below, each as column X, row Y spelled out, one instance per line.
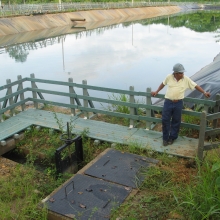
column 184, row 147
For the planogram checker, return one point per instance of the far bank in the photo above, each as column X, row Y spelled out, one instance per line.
column 21, row 24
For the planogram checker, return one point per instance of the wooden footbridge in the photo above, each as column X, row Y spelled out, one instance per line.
column 15, row 96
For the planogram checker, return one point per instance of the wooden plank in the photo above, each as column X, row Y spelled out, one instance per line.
column 46, row 118
column 183, row 146
column 213, row 116
column 13, row 84
column 103, row 131
column 152, row 140
column 121, row 91
column 211, row 146
column 212, row 132
column 13, row 94
column 13, row 105
column 12, row 126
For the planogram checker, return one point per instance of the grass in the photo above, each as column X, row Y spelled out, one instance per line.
column 171, row 190
column 20, row 195
column 176, row 188
column 202, row 197
column 120, row 109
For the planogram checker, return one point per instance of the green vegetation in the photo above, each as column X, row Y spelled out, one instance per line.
column 169, row 193
column 200, row 21
column 176, row 188
column 20, row 194
column 69, row 1
column 202, row 200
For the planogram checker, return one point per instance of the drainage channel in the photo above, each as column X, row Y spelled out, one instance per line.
column 21, row 158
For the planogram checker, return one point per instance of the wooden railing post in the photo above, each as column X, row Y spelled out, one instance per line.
column 71, row 90
column 216, row 109
column 131, row 99
column 215, row 121
column 11, row 101
column 20, row 87
column 85, row 101
column 201, row 135
column 148, row 111
column 33, row 85
column 1, row 118
column 206, row 107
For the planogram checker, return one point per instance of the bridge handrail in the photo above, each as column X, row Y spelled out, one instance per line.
column 11, row 100
column 209, row 103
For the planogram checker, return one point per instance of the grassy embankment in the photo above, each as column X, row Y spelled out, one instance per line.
column 175, row 189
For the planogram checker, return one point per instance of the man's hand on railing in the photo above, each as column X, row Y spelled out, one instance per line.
column 207, row 94
column 154, row 93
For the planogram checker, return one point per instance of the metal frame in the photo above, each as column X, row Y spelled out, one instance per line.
column 76, row 156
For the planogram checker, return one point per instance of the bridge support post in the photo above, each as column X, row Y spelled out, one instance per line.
column 1, row 118
column 131, row 99
column 85, row 101
column 33, row 85
column 201, row 135
column 20, row 87
column 215, row 121
column 71, row 90
column 148, row 111
column 11, row 101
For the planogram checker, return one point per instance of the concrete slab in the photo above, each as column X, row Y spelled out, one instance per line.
column 84, row 197
column 121, row 168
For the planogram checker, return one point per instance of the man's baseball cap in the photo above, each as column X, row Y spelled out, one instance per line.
column 178, row 68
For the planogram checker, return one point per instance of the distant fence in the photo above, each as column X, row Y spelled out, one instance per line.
column 85, row 104
column 29, row 9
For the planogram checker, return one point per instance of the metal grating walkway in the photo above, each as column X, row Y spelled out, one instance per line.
column 184, row 147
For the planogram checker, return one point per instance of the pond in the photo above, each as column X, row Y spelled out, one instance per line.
column 139, row 53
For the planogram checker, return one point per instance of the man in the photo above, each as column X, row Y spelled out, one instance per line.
column 171, row 115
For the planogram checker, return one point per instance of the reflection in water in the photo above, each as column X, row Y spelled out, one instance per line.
column 218, row 35
column 199, row 22
column 138, row 53
column 21, row 51
column 17, row 52
column 2, row 50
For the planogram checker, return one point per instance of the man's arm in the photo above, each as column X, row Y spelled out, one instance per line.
column 159, row 88
column 206, row 94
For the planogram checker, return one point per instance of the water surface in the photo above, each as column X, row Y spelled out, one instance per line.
column 138, row 54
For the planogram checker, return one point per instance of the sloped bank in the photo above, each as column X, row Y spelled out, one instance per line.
column 15, row 25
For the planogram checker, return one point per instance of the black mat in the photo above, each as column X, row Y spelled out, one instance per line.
column 121, row 168
column 84, row 197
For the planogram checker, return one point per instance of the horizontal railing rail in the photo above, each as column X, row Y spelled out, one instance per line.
column 209, row 103
column 85, row 104
column 28, row 9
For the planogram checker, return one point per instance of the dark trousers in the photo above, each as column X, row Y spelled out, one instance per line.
column 171, row 119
